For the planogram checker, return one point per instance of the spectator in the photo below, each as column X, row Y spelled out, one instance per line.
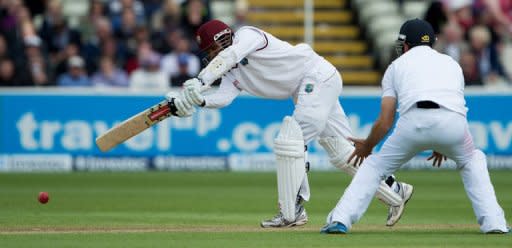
column 149, row 76
column 470, row 68
column 4, row 50
column 109, row 75
column 92, row 50
column 55, row 32
column 9, row 12
column 168, row 17
column 35, row 7
column 182, row 75
column 151, row 6
column 15, row 25
column 61, row 65
column 117, row 8
column 165, row 22
column 501, row 14
column 241, row 10
column 34, row 63
column 461, row 13
column 89, row 24
column 7, row 73
column 488, row 63
column 76, row 76
column 167, row 41
column 125, row 33
column 141, row 34
column 196, row 13
column 170, row 61
column 451, row 41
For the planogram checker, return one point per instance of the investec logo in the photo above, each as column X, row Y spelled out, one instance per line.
column 76, row 135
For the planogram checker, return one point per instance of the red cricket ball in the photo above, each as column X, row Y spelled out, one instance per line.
column 43, row 197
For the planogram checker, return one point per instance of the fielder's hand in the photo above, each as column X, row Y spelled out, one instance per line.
column 184, row 109
column 361, row 152
column 438, row 158
column 192, row 92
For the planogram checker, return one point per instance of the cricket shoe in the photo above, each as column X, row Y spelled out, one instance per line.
column 394, row 214
column 301, row 218
column 334, row 228
column 499, row 231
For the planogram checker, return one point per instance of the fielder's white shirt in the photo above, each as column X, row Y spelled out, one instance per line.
column 268, row 67
column 423, row 74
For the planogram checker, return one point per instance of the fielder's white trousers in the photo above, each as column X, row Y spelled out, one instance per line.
column 418, row 130
column 319, row 112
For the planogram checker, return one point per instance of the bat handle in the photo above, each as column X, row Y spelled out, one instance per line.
column 172, row 107
column 204, row 87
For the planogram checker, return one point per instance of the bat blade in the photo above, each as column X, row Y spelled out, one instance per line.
column 133, row 126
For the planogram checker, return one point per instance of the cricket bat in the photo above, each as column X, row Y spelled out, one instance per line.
column 133, row 126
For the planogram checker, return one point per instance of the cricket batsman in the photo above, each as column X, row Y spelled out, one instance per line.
column 254, row 61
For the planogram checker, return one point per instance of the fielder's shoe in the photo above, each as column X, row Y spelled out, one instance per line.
column 499, row 231
column 395, row 213
column 279, row 221
column 334, row 228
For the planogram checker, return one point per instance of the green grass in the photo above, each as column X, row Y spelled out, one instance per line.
column 180, row 209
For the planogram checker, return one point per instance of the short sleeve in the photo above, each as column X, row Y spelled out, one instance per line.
column 387, row 82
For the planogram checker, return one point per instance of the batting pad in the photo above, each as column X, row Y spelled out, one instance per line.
column 339, row 150
column 291, row 168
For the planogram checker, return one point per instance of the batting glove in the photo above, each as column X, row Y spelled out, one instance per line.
column 192, row 89
column 183, row 108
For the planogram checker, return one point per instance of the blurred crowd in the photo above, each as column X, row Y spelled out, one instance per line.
column 119, row 43
column 477, row 34
column 151, row 44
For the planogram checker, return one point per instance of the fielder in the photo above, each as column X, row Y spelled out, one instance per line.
column 429, row 89
column 254, row 61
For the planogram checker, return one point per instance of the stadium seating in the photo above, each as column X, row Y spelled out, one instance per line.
column 337, row 36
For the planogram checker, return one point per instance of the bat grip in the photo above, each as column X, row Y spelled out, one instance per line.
column 172, row 107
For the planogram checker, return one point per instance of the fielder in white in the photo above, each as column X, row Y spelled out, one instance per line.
column 254, row 61
column 429, row 90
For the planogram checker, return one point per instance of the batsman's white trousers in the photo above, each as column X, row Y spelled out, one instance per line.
column 418, row 130
column 318, row 110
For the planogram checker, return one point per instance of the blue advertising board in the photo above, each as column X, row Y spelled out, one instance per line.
column 46, row 123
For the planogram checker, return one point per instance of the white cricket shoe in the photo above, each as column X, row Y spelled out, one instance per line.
column 395, row 213
column 499, row 231
column 279, row 221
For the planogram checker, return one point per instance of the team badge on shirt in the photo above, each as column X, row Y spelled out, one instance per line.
column 309, row 88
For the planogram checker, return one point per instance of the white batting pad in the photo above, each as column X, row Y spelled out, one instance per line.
column 291, row 169
column 339, row 150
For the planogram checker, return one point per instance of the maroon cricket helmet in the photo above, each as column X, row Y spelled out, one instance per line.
column 213, row 37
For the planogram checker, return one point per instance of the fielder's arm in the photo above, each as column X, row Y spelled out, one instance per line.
column 384, row 122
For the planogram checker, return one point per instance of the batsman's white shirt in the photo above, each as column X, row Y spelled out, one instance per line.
column 272, row 68
column 418, row 75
